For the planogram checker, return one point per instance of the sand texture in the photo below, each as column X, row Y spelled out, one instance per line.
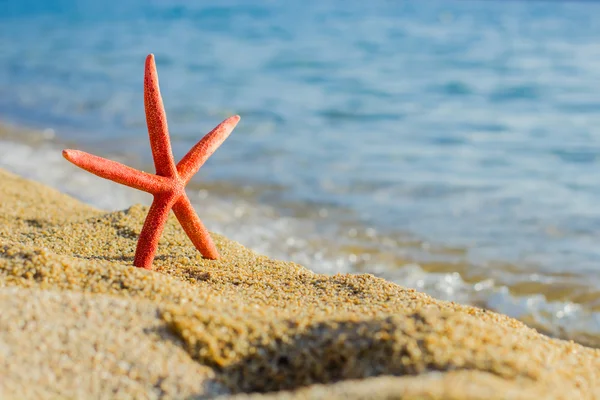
column 78, row 321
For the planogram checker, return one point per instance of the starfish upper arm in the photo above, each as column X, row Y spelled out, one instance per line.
column 193, row 160
column 156, row 119
column 117, row 172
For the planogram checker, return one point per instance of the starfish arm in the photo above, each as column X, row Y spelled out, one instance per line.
column 117, row 172
column 151, row 231
column 156, row 119
column 197, row 156
column 194, row 228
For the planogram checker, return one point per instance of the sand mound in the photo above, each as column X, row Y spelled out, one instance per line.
column 196, row 328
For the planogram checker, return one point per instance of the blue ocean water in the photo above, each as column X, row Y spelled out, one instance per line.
column 449, row 145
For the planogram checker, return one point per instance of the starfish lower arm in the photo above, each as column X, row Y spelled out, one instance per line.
column 151, row 231
column 184, row 211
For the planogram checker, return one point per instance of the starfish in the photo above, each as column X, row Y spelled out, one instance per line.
column 168, row 185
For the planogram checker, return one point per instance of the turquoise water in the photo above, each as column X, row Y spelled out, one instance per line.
column 449, row 146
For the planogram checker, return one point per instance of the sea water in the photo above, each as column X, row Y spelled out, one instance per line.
column 453, row 147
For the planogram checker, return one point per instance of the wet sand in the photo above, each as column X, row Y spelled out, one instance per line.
column 78, row 320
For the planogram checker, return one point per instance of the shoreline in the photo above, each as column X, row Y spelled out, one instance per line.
column 243, row 324
column 551, row 305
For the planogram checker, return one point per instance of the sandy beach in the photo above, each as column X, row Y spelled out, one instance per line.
column 79, row 321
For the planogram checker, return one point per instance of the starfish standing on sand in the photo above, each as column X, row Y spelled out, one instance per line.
column 168, row 185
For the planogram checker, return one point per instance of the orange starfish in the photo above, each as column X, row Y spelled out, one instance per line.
column 168, row 185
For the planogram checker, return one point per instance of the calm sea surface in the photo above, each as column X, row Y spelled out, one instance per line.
column 450, row 146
